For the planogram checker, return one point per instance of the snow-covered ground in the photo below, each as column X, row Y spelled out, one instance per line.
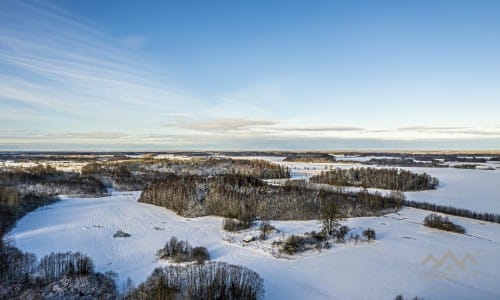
column 379, row 270
column 478, row 190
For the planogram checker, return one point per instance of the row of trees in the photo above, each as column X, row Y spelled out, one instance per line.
column 23, row 267
column 454, row 211
column 390, row 179
column 246, row 198
column 208, row 281
column 58, row 265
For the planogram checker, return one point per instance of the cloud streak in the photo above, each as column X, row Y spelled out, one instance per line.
column 50, row 60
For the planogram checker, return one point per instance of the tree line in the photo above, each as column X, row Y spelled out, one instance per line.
column 390, row 179
column 454, row 211
column 246, row 198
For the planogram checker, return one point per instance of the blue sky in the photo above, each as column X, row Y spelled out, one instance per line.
column 159, row 75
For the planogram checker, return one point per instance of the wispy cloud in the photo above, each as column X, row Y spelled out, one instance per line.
column 52, row 60
column 323, row 128
column 134, row 41
column 453, row 130
column 226, row 125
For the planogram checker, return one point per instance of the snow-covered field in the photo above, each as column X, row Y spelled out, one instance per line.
column 478, row 190
column 379, row 270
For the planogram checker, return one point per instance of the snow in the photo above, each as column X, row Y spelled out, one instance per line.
column 477, row 190
column 377, row 270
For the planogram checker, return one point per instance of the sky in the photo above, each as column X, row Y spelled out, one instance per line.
column 233, row 75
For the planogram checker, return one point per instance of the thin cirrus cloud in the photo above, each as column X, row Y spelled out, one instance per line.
column 52, row 60
column 135, row 41
column 454, row 130
column 226, row 124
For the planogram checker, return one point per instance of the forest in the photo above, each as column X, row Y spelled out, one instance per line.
column 389, row 179
column 246, row 198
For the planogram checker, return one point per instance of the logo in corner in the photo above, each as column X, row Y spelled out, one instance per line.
column 449, row 266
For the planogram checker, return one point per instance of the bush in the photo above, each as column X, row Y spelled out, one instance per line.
column 181, row 251
column 235, row 225
column 443, row 223
column 294, row 244
column 341, row 233
column 200, row 255
column 265, row 229
column 370, row 234
column 312, row 240
column 121, row 234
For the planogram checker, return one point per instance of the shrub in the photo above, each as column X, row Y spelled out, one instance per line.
column 200, row 254
column 370, row 234
column 265, row 229
column 294, row 244
column 341, row 233
column 121, row 234
column 311, row 240
column 443, row 223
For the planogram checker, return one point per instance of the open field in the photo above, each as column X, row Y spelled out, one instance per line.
column 387, row 267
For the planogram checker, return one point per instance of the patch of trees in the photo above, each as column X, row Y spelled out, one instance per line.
column 182, row 251
column 58, row 265
column 443, row 223
column 390, row 179
column 135, row 174
column 404, row 162
column 121, row 234
column 400, row 297
column 465, row 166
column 450, row 210
column 310, row 157
column 230, row 224
column 208, row 281
column 246, row 198
column 16, row 265
column 24, row 278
